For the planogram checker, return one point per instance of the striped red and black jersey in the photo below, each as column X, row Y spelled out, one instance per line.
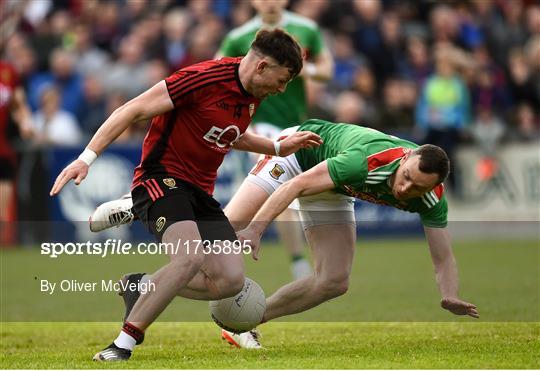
column 211, row 111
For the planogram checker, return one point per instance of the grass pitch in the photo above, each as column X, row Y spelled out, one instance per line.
column 288, row 346
column 390, row 316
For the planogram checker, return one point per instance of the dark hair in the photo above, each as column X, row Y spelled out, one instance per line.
column 281, row 46
column 433, row 160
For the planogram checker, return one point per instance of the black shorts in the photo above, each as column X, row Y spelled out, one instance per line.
column 161, row 202
column 7, row 169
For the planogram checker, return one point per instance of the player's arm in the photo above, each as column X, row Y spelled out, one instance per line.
column 251, row 142
column 152, row 102
column 446, row 272
column 313, row 181
column 321, row 68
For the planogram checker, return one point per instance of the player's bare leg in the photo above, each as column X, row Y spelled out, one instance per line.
column 290, row 234
column 333, row 247
column 245, row 203
column 212, row 281
column 181, row 269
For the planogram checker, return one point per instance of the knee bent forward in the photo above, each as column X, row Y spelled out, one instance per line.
column 332, row 288
column 229, row 285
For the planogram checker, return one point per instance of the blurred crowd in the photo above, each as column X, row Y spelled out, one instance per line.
column 443, row 72
column 395, row 61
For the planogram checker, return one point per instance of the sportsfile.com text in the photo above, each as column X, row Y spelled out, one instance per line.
column 119, row 247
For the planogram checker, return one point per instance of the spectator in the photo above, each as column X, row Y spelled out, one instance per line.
column 387, row 59
column 156, row 71
column 396, row 114
column 43, row 41
column 349, row 108
column 521, row 83
column 506, row 32
column 312, row 9
column 132, row 13
column 52, row 124
column 444, row 24
column 64, row 76
column 200, row 46
column 470, row 32
column 532, row 51
column 176, row 24
column 364, row 84
column 367, row 36
column 347, row 62
column 148, row 30
column 17, row 49
column 526, row 123
column 416, row 64
column 106, row 28
column 94, row 107
column 89, row 59
column 489, row 88
column 443, row 108
column 199, row 9
column 340, row 18
column 60, row 25
column 240, row 13
column 488, row 131
column 12, row 106
column 128, row 73
column 533, row 20
column 135, row 132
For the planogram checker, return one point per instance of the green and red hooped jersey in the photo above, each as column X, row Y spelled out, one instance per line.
column 361, row 161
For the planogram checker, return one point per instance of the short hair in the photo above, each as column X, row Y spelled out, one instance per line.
column 433, row 160
column 281, row 46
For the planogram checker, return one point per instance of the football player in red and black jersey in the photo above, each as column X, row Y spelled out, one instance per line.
column 199, row 113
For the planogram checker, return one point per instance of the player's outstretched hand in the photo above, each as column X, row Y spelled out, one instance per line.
column 77, row 170
column 249, row 237
column 459, row 307
column 298, row 140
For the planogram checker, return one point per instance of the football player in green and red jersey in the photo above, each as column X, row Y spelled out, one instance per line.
column 353, row 162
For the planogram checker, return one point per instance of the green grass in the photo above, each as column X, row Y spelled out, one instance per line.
column 288, row 346
column 390, row 317
column 390, row 281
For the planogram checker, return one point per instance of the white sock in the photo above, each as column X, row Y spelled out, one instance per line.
column 125, row 341
column 145, row 279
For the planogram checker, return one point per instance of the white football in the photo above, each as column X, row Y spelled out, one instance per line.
column 242, row 312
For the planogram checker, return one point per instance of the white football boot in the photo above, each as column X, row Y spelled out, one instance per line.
column 112, row 214
column 246, row 340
